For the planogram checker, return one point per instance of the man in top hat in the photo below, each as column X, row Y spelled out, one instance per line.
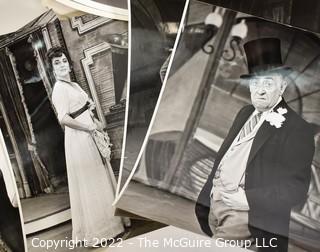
column 263, row 168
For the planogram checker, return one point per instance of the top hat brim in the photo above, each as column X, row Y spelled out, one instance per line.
column 284, row 70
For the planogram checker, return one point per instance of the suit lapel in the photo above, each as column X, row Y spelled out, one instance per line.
column 264, row 132
column 235, row 130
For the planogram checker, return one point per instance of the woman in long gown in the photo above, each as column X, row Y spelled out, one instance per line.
column 90, row 185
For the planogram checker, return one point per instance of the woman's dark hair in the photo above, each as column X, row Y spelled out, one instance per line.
column 55, row 52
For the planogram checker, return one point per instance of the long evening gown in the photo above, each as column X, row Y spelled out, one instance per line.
column 90, row 185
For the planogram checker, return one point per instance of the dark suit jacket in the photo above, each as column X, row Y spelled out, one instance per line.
column 277, row 175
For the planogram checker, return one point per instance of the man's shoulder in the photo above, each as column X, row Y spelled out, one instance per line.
column 243, row 113
column 248, row 107
column 245, row 110
column 298, row 123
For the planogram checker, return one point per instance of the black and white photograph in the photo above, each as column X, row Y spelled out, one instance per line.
column 233, row 151
column 11, row 233
column 154, row 28
column 62, row 111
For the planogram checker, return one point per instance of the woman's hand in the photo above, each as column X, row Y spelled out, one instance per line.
column 74, row 124
column 92, row 106
column 99, row 124
column 92, row 127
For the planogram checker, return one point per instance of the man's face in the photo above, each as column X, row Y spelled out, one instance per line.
column 266, row 90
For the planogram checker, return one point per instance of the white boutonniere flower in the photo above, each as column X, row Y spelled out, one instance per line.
column 276, row 119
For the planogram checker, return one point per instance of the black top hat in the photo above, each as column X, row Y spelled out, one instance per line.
column 263, row 57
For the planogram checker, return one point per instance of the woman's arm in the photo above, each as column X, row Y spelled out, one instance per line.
column 74, row 124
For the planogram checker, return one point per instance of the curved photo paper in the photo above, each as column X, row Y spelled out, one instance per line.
column 62, row 105
column 154, row 29
column 115, row 9
column 233, row 151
